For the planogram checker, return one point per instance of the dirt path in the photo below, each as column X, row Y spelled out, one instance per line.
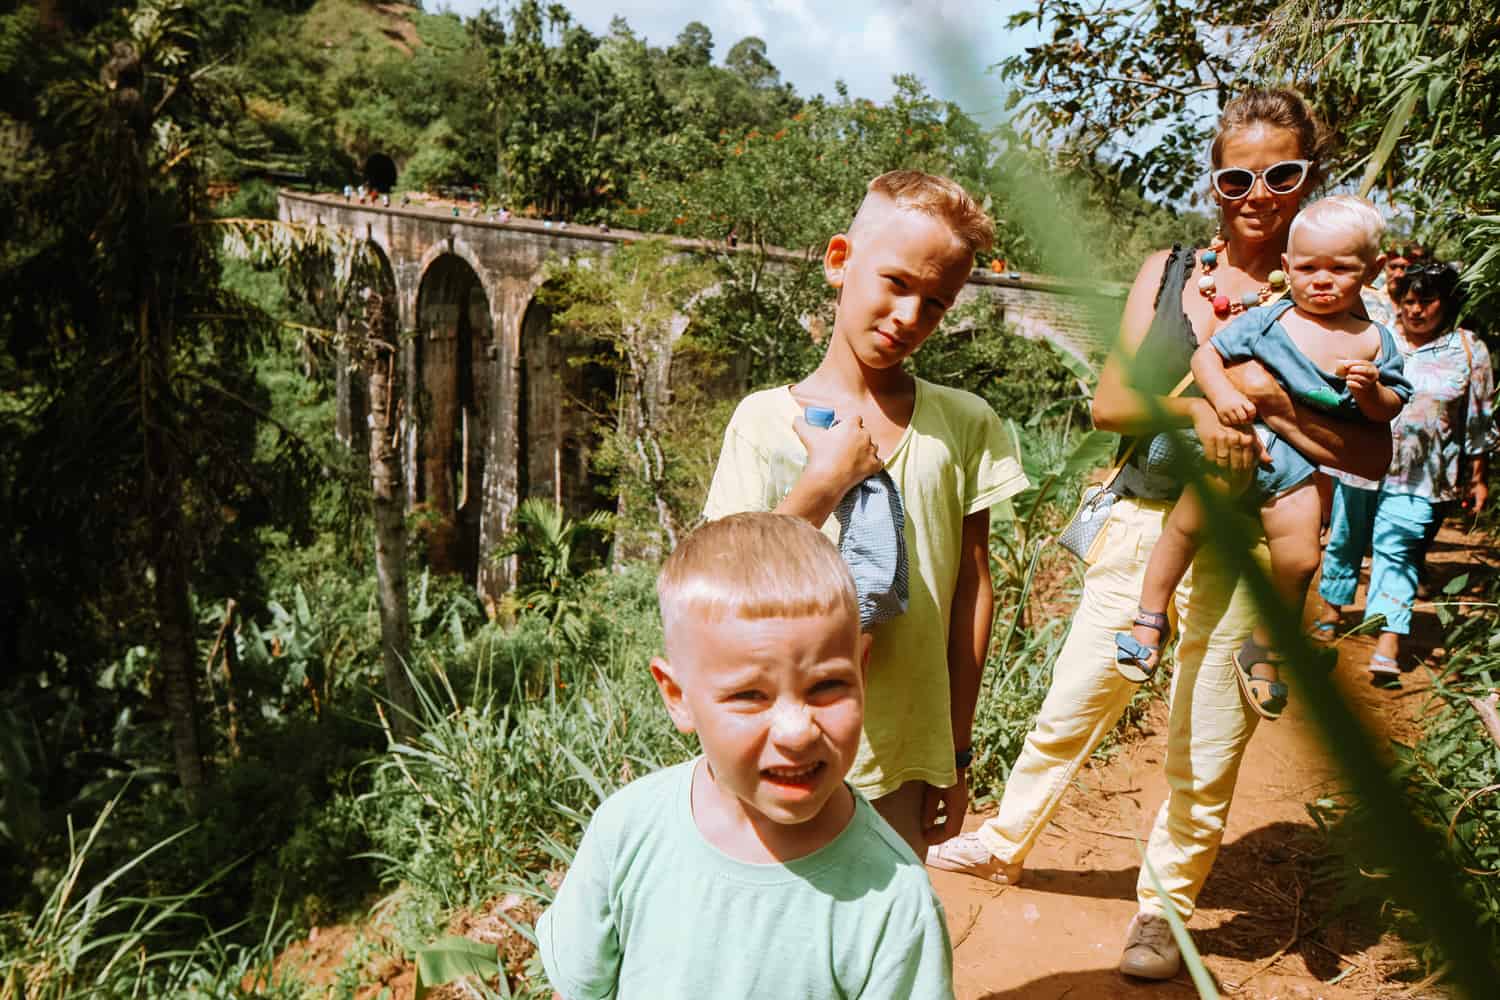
column 1261, row 924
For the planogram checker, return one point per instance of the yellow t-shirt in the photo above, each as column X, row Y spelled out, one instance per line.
column 955, row 459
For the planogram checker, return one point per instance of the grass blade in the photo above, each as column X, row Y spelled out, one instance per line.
column 1202, row 980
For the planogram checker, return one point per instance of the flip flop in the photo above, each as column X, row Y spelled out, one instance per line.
column 1266, row 696
column 1384, row 666
column 1324, row 632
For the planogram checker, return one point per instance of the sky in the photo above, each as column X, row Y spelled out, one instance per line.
column 948, row 44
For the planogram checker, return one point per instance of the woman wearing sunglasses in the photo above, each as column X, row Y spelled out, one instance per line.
column 1442, row 441
column 1265, row 159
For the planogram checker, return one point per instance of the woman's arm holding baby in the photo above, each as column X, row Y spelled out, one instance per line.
column 1354, row 446
column 1118, row 406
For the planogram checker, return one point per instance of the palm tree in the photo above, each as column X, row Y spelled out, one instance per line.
column 551, row 578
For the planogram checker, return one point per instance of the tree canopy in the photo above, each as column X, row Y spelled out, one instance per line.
column 1411, row 90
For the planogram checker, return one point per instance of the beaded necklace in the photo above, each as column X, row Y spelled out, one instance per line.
column 1223, row 306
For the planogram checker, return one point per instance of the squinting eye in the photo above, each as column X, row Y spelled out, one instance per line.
column 746, row 696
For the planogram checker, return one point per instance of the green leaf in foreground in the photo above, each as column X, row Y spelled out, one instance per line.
column 1394, row 126
column 1422, row 877
column 1457, row 584
column 452, row 958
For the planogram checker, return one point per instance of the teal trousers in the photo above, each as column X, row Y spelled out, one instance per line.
column 1395, row 526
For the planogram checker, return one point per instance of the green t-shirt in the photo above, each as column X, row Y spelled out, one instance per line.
column 651, row 909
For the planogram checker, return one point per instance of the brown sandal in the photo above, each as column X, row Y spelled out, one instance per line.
column 1267, row 695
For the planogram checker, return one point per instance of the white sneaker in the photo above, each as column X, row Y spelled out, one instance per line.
column 1150, row 950
column 967, row 855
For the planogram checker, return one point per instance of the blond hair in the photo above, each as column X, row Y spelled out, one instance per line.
column 940, row 197
column 1343, row 213
column 755, row 565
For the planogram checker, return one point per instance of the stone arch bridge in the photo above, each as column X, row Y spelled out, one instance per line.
column 496, row 413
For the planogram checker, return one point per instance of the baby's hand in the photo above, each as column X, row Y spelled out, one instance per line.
column 1234, row 409
column 1362, row 376
column 840, row 456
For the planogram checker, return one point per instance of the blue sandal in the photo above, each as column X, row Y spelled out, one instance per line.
column 1324, row 632
column 1134, row 659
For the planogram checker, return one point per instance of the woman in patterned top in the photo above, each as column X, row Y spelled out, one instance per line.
column 1439, row 458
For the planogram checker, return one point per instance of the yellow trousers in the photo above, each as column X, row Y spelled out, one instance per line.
column 1210, row 723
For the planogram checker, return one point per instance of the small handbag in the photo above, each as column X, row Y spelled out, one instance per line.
column 1084, row 532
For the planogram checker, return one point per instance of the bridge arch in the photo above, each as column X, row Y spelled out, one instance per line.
column 566, row 401
column 380, row 173
column 450, row 375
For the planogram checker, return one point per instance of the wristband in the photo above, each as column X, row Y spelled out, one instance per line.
column 963, row 758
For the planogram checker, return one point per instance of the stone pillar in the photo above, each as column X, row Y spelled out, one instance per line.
column 499, row 485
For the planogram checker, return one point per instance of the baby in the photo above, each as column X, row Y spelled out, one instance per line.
column 1325, row 353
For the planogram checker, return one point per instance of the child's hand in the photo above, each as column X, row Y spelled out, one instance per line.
column 1234, row 409
column 840, row 456
column 1361, row 376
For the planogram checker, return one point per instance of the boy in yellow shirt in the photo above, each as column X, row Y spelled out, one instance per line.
column 898, row 269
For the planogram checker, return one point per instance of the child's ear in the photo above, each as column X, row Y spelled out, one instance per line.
column 1286, row 268
column 866, row 641
column 671, row 695
column 835, row 259
column 1373, row 271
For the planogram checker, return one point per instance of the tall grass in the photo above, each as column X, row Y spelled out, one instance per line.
column 1451, row 775
column 87, row 940
column 476, row 798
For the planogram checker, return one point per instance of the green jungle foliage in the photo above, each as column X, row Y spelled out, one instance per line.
column 197, row 753
column 1449, row 772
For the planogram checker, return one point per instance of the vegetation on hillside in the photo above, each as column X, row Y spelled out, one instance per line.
column 205, row 742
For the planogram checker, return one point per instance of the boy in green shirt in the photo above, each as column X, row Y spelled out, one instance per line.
column 755, row 870
column 898, row 269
